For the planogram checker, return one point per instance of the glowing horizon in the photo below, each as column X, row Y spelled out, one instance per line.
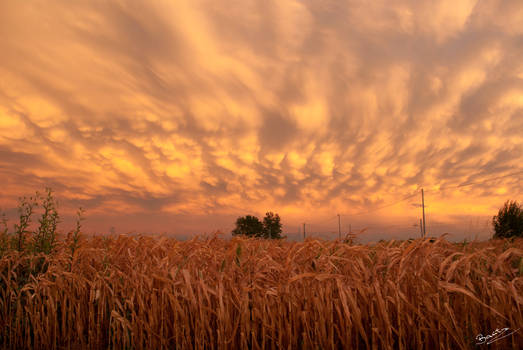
column 180, row 117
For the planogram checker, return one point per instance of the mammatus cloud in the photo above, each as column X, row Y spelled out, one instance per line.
column 204, row 111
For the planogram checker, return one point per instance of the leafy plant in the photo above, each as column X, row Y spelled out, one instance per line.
column 74, row 236
column 44, row 239
column 25, row 210
column 4, row 236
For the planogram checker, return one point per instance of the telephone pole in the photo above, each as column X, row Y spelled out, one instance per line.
column 420, row 228
column 303, row 231
column 423, row 206
column 339, row 226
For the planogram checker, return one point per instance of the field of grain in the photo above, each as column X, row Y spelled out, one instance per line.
column 139, row 292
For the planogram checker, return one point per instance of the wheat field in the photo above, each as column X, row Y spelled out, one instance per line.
column 210, row 293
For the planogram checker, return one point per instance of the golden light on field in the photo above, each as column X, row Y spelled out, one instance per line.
column 181, row 116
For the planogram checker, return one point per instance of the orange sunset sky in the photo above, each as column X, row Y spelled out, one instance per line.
column 180, row 116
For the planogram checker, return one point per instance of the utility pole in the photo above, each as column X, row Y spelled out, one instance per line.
column 423, row 206
column 303, row 231
column 339, row 226
column 420, row 228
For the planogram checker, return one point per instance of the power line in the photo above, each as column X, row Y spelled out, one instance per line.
column 406, row 198
column 384, row 206
column 440, row 189
column 478, row 182
column 319, row 223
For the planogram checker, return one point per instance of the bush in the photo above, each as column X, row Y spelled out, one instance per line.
column 509, row 221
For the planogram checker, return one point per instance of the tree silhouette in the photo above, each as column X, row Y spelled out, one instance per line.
column 251, row 226
column 271, row 225
column 509, row 221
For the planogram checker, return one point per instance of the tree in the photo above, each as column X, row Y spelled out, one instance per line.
column 248, row 225
column 271, row 225
column 509, row 221
column 251, row 226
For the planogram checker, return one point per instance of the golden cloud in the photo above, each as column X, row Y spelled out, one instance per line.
column 311, row 108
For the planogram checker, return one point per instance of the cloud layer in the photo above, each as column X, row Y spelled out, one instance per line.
column 204, row 110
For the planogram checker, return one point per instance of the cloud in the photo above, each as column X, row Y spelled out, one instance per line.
column 241, row 107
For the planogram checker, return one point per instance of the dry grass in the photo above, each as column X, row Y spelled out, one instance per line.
column 138, row 292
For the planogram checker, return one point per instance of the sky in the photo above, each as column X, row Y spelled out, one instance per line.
column 180, row 116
